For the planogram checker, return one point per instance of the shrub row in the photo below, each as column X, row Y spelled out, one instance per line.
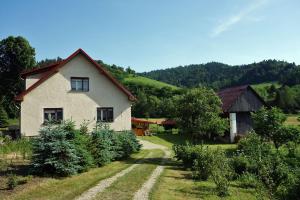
column 62, row 150
column 257, row 163
column 205, row 163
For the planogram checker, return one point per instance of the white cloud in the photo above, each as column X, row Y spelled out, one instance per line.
column 234, row 19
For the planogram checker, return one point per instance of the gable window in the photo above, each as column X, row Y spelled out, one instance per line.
column 105, row 114
column 53, row 114
column 80, row 84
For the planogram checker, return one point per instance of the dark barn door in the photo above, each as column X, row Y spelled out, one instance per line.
column 244, row 122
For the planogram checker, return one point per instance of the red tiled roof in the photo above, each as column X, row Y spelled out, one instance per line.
column 229, row 95
column 54, row 68
column 137, row 120
column 168, row 122
column 38, row 70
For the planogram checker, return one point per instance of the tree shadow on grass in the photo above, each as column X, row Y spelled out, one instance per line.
column 202, row 191
column 155, row 161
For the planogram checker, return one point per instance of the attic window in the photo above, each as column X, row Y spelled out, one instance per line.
column 80, row 84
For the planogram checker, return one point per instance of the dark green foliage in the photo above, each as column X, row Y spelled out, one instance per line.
column 81, row 143
column 275, row 169
column 62, row 150
column 218, row 75
column 206, row 163
column 269, row 124
column 198, row 112
column 3, row 117
column 187, row 154
column 287, row 98
column 203, row 164
column 268, row 121
column 125, row 143
column 286, row 134
column 292, row 77
column 248, row 180
column 54, row 153
column 221, row 172
column 101, row 146
column 12, row 181
column 107, row 146
column 240, row 164
column 16, row 54
column 152, row 101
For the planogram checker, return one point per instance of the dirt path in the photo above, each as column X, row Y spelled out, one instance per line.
column 102, row 185
column 143, row 192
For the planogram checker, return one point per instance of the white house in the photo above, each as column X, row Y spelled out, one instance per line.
column 76, row 88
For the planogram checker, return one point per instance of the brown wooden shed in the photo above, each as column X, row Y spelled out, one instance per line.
column 237, row 104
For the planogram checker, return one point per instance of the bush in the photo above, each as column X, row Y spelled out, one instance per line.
column 186, row 153
column 101, row 146
column 203, row 164
column 240, row 164
column 248, row 180
column 12, row 181
column 125, row 143
column 81, row 143
column 62, row 150
column 54, row 153
column 221, row 173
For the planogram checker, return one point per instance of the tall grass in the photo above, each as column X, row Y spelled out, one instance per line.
column 16, row 148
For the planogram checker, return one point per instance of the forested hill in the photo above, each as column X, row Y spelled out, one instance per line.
column 219, row 75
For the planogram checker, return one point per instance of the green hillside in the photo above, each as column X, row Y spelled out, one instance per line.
column 219, row 75
column 140, row 80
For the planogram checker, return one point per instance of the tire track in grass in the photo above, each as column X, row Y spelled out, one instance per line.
column 103, row 184
column 125, row 187
column 144, row 191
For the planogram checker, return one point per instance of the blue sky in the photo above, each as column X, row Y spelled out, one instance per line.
column 155, row 34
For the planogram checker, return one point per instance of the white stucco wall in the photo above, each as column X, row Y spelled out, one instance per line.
column 30, row 80
column 78, row 106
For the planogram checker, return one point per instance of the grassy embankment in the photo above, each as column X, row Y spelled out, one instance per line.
column 140, row 80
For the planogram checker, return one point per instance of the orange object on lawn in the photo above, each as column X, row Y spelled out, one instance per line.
column 141, row 126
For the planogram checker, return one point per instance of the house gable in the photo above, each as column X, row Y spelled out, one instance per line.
column 50, row 71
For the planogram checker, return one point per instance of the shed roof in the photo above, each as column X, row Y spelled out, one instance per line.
column 229, row 96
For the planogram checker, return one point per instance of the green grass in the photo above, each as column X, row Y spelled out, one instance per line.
column 168, row 140
column 69, row 188
column 125, row 187
column 13, row 122
column 177, row 184
column 262, row 88
column 265, row 85
column 292, row 120
column 147, row 81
